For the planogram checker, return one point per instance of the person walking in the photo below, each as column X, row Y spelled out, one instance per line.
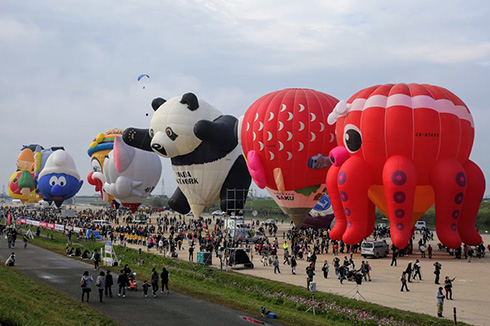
column 154, row 281
column 286, row 256
column 122, row 281
column 26, row 240
column 440, row 302
column 96, row 258
column 275, row 263
column 146, row 285
column 164, row 276
column 409, row 271
column 109, row 281
column 403, row 278
column 437, row 271
column 100, row 284
column 85, row 284
column 293, row 265
column 394, row 255
column 416, row 270
column 325, row 269
column 448, row 286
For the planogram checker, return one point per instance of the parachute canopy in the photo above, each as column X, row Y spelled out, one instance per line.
column 143, row 76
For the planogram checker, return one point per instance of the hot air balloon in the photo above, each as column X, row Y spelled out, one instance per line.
column 279, row 133
column 59, row 180
column 202, row 145
column 130, row 174
column 403, row 148
column 98, row 151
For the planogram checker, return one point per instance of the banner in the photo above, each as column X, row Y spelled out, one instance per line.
column 108, row 248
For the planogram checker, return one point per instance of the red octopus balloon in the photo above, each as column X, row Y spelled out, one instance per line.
column 279, row 133
column 402, row 148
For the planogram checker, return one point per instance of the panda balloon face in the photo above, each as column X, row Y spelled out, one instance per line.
column 172, row 125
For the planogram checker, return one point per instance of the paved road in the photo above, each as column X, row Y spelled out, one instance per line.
column 64, row 273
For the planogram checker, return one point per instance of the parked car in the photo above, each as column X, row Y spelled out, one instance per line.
column 218, row 213
column 375, row 249
column 420, row 225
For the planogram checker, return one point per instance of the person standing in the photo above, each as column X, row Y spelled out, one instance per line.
column 416, row 269
column 448, row 286
column 286, row 256
column 191, row 253
column 145, row 288
column 440, row 302
column 403, row 278
column 109, row 281
column 429, row 251
column 100, row 283
column 310, row 272
column 154, row 282
column 293, row 265
column 365, row 269
column 85, row 283
column 164, row 277
column 336, row 265
column 26, row 240
column 122, row 281
column 325, row 269
column 437, row 271
column 422, row 251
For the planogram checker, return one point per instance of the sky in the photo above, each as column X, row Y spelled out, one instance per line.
column 69, row 68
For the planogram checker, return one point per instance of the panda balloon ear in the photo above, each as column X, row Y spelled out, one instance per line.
column 156, row 103
column 191, row 100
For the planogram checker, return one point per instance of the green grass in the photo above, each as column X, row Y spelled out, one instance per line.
column 248, row 293
column 24, row 301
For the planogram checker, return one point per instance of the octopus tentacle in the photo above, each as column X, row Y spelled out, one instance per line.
column 448, row 179
column 474, row 192
column 400, row 180
column 333, row 190
column 354, row 179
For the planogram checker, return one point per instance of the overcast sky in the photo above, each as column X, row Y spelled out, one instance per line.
column 69, row 68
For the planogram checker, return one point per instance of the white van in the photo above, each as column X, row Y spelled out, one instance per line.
column 420, row 225
column 375, row 249
column 102, row 223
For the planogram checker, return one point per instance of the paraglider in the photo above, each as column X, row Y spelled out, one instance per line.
column 130, row 174
column 143, row 76
column 279, row 133
column 201, row 143
column 403, row 148
column 98, row 151
column 59, row 180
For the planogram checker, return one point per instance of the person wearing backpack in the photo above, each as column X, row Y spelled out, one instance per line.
column 100, row 284
column 96, row 258
column 85, row 284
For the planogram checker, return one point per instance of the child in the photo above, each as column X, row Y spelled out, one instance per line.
column 145, row 288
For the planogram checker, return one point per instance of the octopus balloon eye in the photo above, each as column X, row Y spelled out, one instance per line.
column 352, row 138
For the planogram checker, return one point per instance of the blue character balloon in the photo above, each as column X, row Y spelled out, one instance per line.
column 59, row 180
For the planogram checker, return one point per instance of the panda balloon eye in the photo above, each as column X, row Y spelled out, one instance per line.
column 151, row 132
column 170, row 133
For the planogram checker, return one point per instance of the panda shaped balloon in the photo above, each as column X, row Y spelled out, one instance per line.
column 201, row 142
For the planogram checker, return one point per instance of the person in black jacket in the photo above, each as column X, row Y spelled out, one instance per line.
column 154, row 281
column 122, row 281
column 164, row 277
column 109, row 281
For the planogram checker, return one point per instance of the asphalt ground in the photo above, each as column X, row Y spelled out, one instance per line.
column 64, row 273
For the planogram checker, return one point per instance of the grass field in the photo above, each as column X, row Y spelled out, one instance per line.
column 248, row 294
column 24, row 301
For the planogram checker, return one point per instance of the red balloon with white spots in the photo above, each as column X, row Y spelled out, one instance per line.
column 279, row 133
